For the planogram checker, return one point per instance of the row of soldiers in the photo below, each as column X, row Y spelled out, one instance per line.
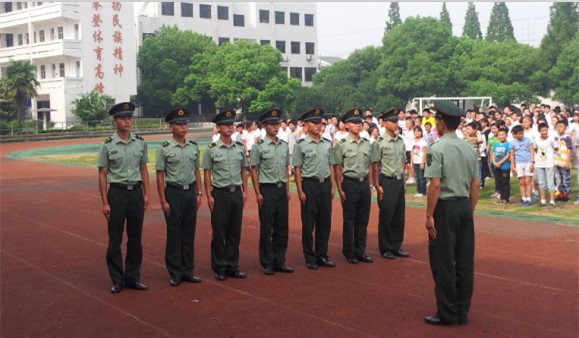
column 353, row 167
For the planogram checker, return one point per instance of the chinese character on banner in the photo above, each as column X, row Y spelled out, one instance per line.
column 118, row 53
column 97, row 36
column 116, row 21
column 96, row 5
column 116, row 6
column 118, row 37
column 119, row 69
column 96, row 20
column 99, row 87
column 98, row 52
column 98, row 71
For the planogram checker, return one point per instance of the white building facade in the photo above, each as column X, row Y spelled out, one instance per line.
column 77, row 47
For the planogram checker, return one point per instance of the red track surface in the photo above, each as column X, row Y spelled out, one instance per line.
column 54, row 281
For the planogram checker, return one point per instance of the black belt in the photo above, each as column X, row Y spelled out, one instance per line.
column 277, row 185
column 127, row 187
column 180, row 186
column 355, row 179
column 316, row 179
column 390, row 177
column 232, row 188
column 458, row 198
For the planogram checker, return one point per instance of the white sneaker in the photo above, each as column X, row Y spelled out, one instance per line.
column 576, row 202
column 419, row 195
column 410, row 180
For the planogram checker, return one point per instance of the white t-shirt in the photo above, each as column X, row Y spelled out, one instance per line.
column 283, row 134
column 418, row 147
column 364, row 134
column 215, row 137
column 253, row 136
column 408, row 137
column 340, row 135
column 545, row 152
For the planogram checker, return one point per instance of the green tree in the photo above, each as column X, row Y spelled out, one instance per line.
column 500, row 27
column 563, row 26
column 471, row 28
column 565, row 73
column 445, row 17
column 92, row 106
column 21, row 83
column 393, row 16
column 164, row 60
column 416, row 60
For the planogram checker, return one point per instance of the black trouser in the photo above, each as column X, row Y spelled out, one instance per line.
column 503, row 181
column 356, row 213
column 126, row 205
column 316, row 215
column 226, row 229
column 391, row 218
column 273, row 225
column 485, row 171
column 181, row 224
column 452, row 259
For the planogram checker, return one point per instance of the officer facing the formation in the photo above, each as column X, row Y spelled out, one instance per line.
column 225, row 171
column 179, row 187
column 269, row 161
column 122, row 162
column 388, row 169
column 352, row 170
column 313, row 159
column 451, row 165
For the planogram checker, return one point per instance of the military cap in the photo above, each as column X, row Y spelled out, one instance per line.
column 272, row 116
column 122, row 109
column 353, row 115
column 390, row 115
column 225, row 117
column 178, row 116
column 313, row 115
column 448, row 109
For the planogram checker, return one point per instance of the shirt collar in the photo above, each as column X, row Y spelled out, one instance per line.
column 388, row 138
column 310, row 140
column 449, row 136
column 116, row 138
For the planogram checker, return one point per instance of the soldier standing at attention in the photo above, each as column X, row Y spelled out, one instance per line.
column 313, row 159
column 179, row 187
column 269, row 161
column 352, row 170
column 451, row 165
column 225, row 171
column 122, row 162
column 388, row 167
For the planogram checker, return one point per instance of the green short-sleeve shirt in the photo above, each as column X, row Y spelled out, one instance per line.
column 354, row 156
column 390, row 154
column 314, row 158
column 225, row 163
column 272, row 158
column 178, row 162
column 123, row 160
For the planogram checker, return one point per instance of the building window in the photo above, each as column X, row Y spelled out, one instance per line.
column 76, row 31
column 60, row 33
column 263, row 16
column 284, row 70
column 20, row 39
column 280, row 45
column 205, row 11
column 310, row 48
column 9, row 40
column 264, row 42
column 295, row 47
column 309, row 73
column 168, row 8
column 53, row 70
column 18, row 6
column 41, row 35
column 27, row 38
column 7, row 7
column 295, row 19
column 238, row 20
column 309, row 20
column 186, row 10
column 222, row 13
column 280, row 18
column 39, row 4
column 43, row 72
column 61, row 69
column 296, row 72
column 77, row 69
column 222, row 41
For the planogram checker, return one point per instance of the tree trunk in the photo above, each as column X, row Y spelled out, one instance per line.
column 20, row 109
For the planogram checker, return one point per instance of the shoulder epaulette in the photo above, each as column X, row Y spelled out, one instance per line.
column 283, row 140
column 166, row 143
column 212, row 144
column 365, row 139
column 139, row 137
column 380, row 138
column 260, row 141
column 343, row 140
column 300, row 140
column 238, row 143
column 192, row 142
column 108, row 139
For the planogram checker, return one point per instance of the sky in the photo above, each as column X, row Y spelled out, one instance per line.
column 346, row 26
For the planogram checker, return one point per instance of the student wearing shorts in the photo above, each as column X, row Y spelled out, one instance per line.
column 545, row 147
column 523, row 161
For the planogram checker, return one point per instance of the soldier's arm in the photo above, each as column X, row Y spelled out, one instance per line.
column 145, row 177
column 474, row 192
column 431, row 200
column 160, row 179
column 103, row 191
column 207, row 181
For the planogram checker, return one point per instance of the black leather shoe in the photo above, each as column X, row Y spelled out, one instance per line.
column 352, row 260
column 191, row 279
column 312, row 266
column 237, row 274
column 117, row 288
column 365, row 259
column 175, row 281
column 220, row 276
column 389, row 255
column 400, row 253
column 137, row 286
column 326, row 262
column 268, row 270
column 284, row 268
column 435, row 320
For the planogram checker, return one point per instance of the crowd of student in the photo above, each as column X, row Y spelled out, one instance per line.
column 534, row 143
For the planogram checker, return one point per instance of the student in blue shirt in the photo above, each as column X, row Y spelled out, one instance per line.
column 501, row 158
column 522, row 163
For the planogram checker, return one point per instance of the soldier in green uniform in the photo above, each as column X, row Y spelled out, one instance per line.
column 313, row 159
column 269, row 161
column 388, row 167
column 451, row 165
column 179, row 187
column 353, row 154
column 122, row 162
column 225, row 171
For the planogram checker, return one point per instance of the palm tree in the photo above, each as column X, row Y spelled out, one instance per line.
column 21, row 78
